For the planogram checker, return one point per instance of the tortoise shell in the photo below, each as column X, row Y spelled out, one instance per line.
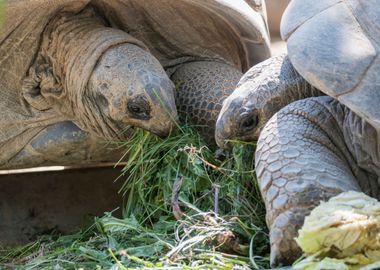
column 334, row 45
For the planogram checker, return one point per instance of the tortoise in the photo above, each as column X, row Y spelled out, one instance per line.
column 75, row 73
column 315, row 113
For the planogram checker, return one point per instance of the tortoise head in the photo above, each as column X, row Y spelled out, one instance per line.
column 258, row 96
column 131, row 88
column 264, row 90
column 241, row 117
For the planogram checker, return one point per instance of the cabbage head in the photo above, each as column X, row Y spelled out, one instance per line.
column 342, row 233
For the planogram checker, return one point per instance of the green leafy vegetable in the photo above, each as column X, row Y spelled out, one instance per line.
column 184, row 209
column 343, row 233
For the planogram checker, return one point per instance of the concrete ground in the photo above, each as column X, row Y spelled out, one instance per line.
column 37, row 203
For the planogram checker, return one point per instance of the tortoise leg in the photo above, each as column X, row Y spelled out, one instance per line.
column 202, row 87
column 301, row 159
column 63, row 144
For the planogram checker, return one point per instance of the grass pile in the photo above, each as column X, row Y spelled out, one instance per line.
column 184, row 209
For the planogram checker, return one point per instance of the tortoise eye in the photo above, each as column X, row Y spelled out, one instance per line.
column 249, row 121
column 135, row 109
column 139, row 108
column 102, row 100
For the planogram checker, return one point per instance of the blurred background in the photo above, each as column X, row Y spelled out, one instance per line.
column 275, row 9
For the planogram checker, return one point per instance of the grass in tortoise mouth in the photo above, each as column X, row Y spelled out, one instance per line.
column 184, row 209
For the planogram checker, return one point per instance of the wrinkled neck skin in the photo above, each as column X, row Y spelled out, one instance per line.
column 61, row 39
column 265, row 89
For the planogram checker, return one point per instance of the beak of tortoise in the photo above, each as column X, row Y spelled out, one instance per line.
column 223, row 131
column 160, row 127
column 166, row 119
column 165, row 128
column 226, row 126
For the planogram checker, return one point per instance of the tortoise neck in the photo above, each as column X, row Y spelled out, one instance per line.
column 72, row 45
column 283, row 86
column 65, row 34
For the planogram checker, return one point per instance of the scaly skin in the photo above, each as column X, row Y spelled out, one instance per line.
column 202, row 87
column 310, row 150
column 302, row 158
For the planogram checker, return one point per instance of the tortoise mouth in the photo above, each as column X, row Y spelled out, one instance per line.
column 223, row 142
column 222, row 133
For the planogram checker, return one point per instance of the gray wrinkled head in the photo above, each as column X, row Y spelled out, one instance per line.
column 253, row 103
column 261, row 92
column 241, row 117
column 131, row 88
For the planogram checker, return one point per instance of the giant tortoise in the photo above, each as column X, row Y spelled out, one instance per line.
column 76, row 72
column 315, row 112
